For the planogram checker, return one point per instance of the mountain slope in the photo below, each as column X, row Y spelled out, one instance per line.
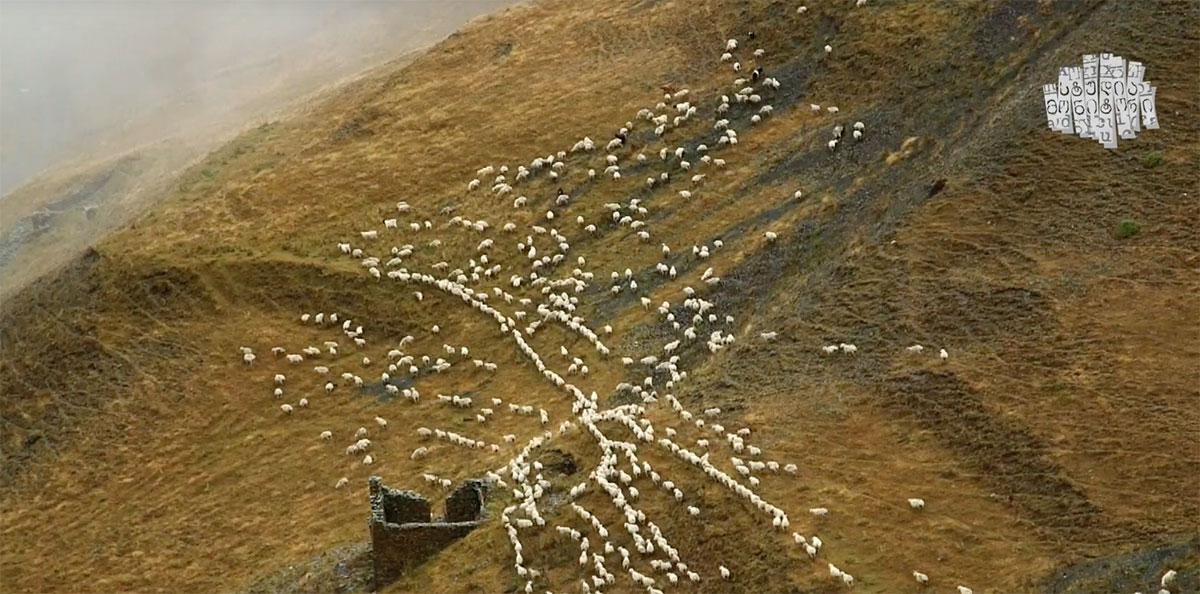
column 140, row 454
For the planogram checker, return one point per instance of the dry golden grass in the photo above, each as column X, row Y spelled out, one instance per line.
column 1061, row 428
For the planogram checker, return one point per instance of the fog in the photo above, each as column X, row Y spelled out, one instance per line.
column 80, row 80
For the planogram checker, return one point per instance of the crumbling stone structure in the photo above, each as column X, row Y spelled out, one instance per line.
column 404, row 532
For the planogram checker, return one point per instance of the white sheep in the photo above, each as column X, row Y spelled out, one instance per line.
column 326, row 435
column 1167, row 579
column 916, row 503
column 286, row 408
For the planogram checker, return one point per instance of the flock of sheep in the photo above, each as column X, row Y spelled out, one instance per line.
column 538, row 292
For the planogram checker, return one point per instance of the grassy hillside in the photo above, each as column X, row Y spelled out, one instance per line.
column 1055, row 447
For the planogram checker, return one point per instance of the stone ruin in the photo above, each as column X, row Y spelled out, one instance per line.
column 404, row 532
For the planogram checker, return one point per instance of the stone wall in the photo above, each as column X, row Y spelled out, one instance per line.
column 403, row 534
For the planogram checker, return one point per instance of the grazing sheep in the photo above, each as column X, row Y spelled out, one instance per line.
column 326, row 435
column 286, row 408
column 1167, row 579
column 916, row 503
column 920, row 577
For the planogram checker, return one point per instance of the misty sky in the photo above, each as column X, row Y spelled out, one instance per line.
column 79, row 79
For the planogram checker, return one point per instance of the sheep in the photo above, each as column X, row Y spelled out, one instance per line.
column 248, row 358
column 770, row 235
column 819, row 512
column 382, row 422
column 768, row 336
column 303, row 403
column 920, row 577
column 342, row 482
column 368, row 460
column 916, row 348
column 943, row 354
column 725, row 572
column 916, row 503
column 1168, row 578
column 965, row 590
column 848, row 348
column 828, row 48
column 286, row 408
